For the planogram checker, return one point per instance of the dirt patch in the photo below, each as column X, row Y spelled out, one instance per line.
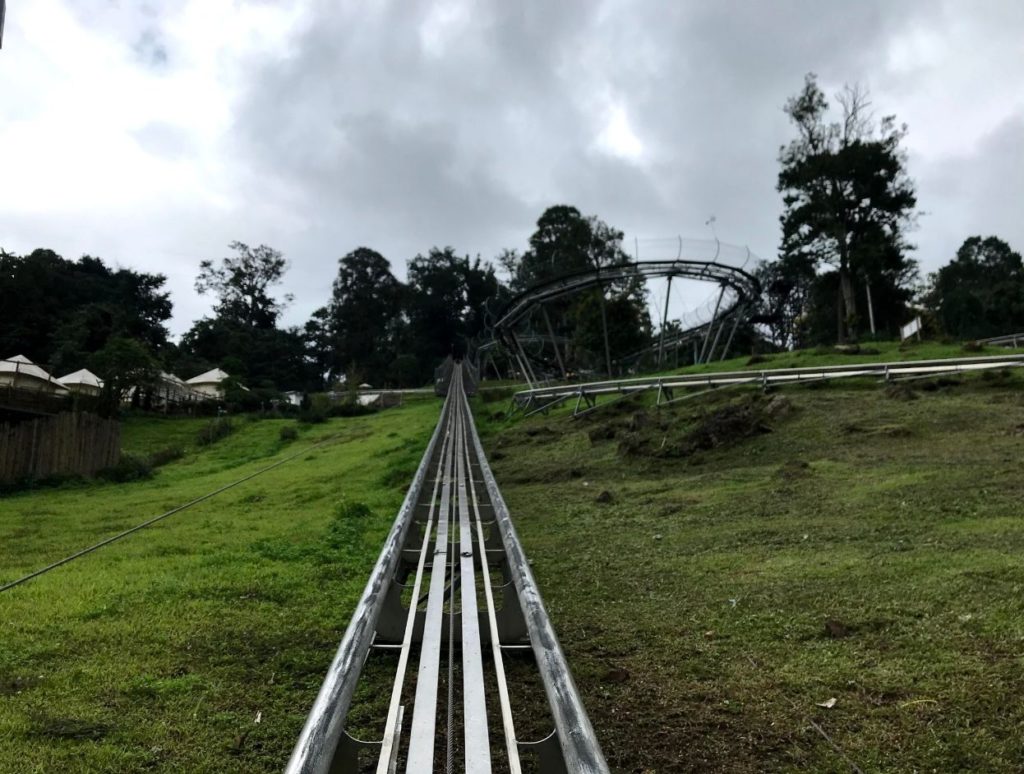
column 71, row 728
column 942, row 383
column 11, row 686
column 795, row 469
column 886, row 431
column 725, row 426
column 898, row 391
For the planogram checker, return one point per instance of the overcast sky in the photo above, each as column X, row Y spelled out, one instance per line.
column 154, row 133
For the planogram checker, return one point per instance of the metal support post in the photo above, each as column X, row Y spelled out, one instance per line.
column 728, row 343
column 714, row 342
column 664, row 322
column 522, row 364
column 551, row 333
column 604, row 328
column 714, row 316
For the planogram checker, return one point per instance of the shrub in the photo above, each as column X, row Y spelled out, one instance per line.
column 129, row 468
column 214, row 431
column 163, row 456
column 289, row 433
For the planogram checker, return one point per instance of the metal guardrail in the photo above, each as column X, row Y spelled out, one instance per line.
column 1007, row 340
column 542, row 398
column 452, row 533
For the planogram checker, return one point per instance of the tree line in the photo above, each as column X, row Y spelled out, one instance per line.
column 843, row 271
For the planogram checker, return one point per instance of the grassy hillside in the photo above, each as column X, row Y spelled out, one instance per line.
column 717, row 572
column 198, row 644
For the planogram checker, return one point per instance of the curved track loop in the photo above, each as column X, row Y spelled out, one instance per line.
column 452, row 593
column 737, row 289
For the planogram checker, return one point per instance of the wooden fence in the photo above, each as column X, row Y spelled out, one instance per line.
column 70, row 443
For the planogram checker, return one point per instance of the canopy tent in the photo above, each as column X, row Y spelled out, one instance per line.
column 21, row 373
column 82, row 381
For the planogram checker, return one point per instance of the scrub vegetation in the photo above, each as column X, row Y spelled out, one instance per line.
column 823, row 579
column 197, row 644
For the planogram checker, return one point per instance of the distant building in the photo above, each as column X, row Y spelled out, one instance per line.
column 21, row 373
column 210, row 384
column 294, row 397
column 83, row 381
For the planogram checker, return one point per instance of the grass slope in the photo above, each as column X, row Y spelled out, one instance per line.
column 160, row 652
column 867, row 549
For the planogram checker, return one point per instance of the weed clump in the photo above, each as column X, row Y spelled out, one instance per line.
column 217, row 429
column 898, row 391
column 288, row 433
column 129, row 468
column 725, row 426
column 165, row 455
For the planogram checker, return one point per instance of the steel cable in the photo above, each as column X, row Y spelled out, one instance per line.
column 162, row 516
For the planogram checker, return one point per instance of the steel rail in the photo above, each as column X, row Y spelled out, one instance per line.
column 769, row 376
column 318, row 741
column 581, row 751
column 458, row 530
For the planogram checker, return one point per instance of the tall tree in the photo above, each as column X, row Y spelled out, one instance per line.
column 981, row 291
column 58, row 312
column 364, row 316
column 242, row 284
column 242, row 337
column 447, row 295
column 566, row 242
column 847, row 196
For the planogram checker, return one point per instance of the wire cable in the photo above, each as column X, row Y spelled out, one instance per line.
column 162, row 516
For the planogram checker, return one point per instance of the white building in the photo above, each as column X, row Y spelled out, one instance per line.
column 21, row 373
column 83, row 381
column 210, row 384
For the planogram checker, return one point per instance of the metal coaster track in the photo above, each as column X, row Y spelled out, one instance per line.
column 586, row 395
column 433, row 599
column 737, row 289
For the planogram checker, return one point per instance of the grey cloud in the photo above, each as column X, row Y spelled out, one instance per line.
column 404, row 125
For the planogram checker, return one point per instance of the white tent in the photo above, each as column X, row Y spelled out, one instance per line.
column 210, row 384
column 82, row 381
column 23, row 374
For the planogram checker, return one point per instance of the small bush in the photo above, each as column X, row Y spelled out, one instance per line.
column 129, row 468
column 312, row 416
column 289, row 433
column 213, row 432
column 163, row 456
column 351, row 410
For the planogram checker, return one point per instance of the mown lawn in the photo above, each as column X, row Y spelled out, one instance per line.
column 198, row 644
column 868, row 549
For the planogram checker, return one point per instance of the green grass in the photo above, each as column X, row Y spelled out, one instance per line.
column 160, row 651
column 693, row 607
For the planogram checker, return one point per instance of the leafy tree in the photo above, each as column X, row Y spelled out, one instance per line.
column 445, row 303
column 59, row 312
column 265, row 357
column 361, row 322
column 980, row 292
column 786, row 287
column 242, row 337
column 848, row 199
column 242, row 285
column 124, row 364
column 567, row 242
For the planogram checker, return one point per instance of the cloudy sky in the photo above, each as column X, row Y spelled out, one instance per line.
column 154, row 132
